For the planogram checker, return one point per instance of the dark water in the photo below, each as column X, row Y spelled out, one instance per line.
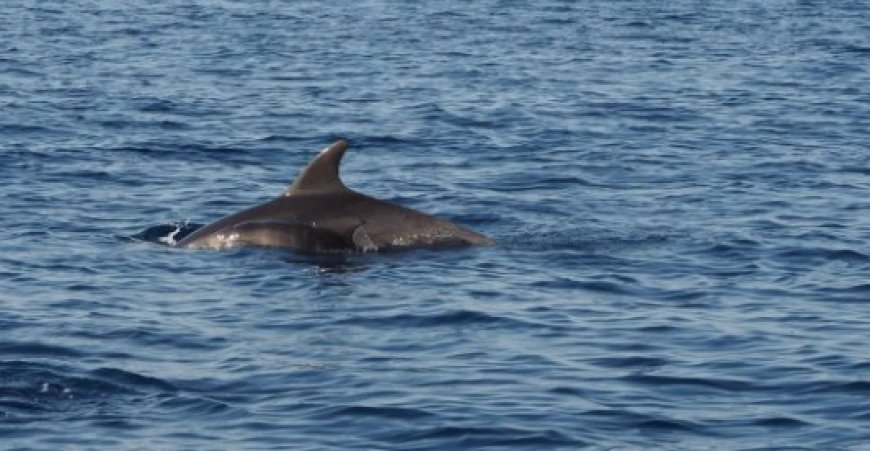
column 679, row 191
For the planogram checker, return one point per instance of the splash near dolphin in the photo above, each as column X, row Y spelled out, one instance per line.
column 319, row 214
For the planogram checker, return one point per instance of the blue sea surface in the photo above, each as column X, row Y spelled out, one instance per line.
column 679, row 192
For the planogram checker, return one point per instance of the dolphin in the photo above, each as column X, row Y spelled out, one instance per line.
column 319, row 214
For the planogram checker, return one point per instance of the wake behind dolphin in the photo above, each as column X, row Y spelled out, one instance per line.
column 319, row 214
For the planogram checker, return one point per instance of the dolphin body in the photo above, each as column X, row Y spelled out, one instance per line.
column 318, row 214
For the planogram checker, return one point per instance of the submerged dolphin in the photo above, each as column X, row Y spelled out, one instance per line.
column 317, row 213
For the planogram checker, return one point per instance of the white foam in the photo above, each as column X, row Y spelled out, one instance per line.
column 170, row 239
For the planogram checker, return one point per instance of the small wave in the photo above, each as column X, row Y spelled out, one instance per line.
column 186, row 151
column 539, row 184
column 858, row 387
column 669, row 425
column 563, row 283
column 454, row 318
column 169, row 234
column 569, row 391
column 146, row 336
column 846, row 255
column 629, row 362
column 718, row 384
column 281, row 139
column 156, row 106
column 129, row 379
column 780, row 422
column 8, row 129
column 459, row 437
column 862, row 170
column 862, row 288
column 594, row 240
column 198, row 406
column 734, row 248
column 36, row 349
column 382, row 141
column 32, row 391
column 861, row 50
column 108, row 397
column 398, row 413
column 118, row 124
column 650, row 423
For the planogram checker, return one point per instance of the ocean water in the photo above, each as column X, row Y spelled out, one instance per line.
column 678, row 191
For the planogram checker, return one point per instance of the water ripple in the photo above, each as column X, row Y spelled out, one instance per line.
column 677, row 190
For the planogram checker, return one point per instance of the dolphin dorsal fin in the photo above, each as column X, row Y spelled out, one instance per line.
column 321, row 175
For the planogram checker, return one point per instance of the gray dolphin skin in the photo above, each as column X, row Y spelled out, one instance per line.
column 318, row 214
